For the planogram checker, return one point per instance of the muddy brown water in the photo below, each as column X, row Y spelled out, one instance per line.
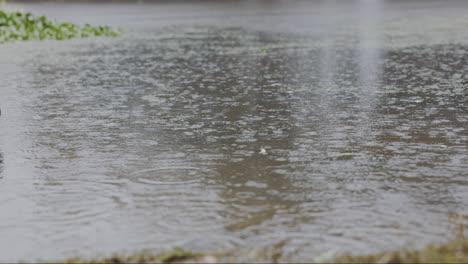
column 306, row 128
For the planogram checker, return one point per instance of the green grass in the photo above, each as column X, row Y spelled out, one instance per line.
column 25, row 26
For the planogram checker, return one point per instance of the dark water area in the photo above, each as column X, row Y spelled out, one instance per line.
column 306, row 128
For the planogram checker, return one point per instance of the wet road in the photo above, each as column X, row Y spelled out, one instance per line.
column 300, row 128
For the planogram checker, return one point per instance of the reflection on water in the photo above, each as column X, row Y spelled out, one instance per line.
column 222, row 137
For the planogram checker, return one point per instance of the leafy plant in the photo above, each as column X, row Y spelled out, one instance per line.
column 25, row 26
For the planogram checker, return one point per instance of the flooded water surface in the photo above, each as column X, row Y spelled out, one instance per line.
column 302, row 128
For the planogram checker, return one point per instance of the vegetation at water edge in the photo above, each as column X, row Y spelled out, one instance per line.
column 25, row 26
column 451, row 252
column 455, row 251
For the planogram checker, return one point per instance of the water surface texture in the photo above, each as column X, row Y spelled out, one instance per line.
column 306, row 128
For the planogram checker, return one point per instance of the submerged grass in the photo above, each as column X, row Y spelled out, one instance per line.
column 452, row 252
column 175, row 256
column 25, row 26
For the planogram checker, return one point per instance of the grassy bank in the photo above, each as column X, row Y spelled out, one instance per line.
column 451, row 252
column 25, row 26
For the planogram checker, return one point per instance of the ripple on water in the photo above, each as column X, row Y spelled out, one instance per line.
column 230, row 137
